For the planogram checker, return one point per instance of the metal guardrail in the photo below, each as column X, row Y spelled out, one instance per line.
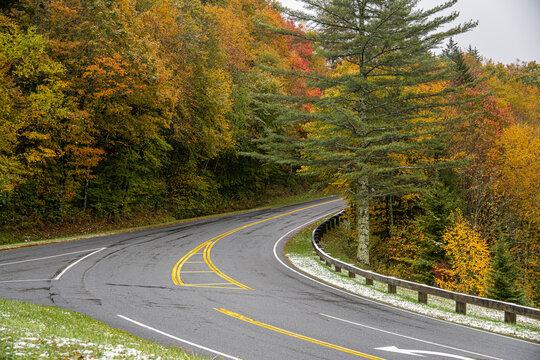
column 510, row 310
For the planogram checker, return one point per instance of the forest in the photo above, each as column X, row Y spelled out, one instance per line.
column 151, row 109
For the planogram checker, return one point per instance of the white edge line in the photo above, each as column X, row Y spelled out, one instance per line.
column 176, row 338
column 408, row 337
column 335, row 288
column 46, row 257
column 76, row 262
column 26, row 280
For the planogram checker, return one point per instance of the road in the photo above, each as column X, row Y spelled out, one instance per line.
column 222, row 287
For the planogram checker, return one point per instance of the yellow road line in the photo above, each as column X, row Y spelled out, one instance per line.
column 207, row 245
column 178, row 266
column 197, row 271
column 217, row 271
column 232, row 287
column 227, row 283
column 298, row 336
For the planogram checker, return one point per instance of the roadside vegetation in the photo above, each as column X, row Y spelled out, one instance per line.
column 300, row 253
column 29, row 331
column 118, row 114
column 124, row 113
column 54, row 234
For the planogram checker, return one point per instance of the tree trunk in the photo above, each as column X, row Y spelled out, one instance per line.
column 85, row 196
column 363, row 225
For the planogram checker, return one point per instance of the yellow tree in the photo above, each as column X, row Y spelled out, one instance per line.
column 517, row 162
column 469, row 258
column 517, row 155
column 10, row 116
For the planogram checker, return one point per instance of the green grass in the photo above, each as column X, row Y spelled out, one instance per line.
column 29, row 331
column 300, row 243
column 280, row 201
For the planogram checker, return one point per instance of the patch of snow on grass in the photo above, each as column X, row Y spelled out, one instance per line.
column 481, row 318
column 32, row 343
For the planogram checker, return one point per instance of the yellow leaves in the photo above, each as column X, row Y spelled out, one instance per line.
column 220, row 88
column 524, row 99
column 234, row 34
column 25, row 53
column 339, row 182
column 469, row 256
column 517, row 162
column 39, row 155
column 412, row 197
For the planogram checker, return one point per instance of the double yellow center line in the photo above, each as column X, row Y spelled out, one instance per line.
column 206, row 248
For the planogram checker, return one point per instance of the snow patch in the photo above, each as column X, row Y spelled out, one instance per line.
column 482, row 318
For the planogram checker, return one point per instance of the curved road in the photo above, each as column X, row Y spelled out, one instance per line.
column 221, row 287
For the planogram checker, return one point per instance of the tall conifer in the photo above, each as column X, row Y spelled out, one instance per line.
column 371, row 131
column 504, row 276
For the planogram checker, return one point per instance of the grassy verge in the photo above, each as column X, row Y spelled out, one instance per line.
column 300, row 253
column 72, row 234
column 30, row 331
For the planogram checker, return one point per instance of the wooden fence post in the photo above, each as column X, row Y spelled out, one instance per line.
column 461, row 307
column 510, row 317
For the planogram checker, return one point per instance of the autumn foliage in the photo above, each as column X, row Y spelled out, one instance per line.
column 468, row 256
column 112, row 110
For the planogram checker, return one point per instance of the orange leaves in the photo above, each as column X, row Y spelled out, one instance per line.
column 111, row 76
column 469, row 259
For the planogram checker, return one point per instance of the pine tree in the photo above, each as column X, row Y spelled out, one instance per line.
column 372, row 132
column 504, row 276
column 438, row 204
column 461, row 68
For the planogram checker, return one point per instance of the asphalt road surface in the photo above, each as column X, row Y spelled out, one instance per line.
column 222, row 287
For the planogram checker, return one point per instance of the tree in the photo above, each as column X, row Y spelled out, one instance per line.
column 10, row 122
column 468, row 256
column 370, row 116
column 504, row 276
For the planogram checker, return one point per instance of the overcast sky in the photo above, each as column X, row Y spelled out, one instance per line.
column 508, row 29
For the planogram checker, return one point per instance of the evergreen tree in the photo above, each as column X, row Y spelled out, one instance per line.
column 372, row 131
column 438, row 204
column 504, row 276
column 461, row 68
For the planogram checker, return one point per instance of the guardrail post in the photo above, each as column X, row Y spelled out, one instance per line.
column 510, row 317
column 461, row 307
column 510, row 310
